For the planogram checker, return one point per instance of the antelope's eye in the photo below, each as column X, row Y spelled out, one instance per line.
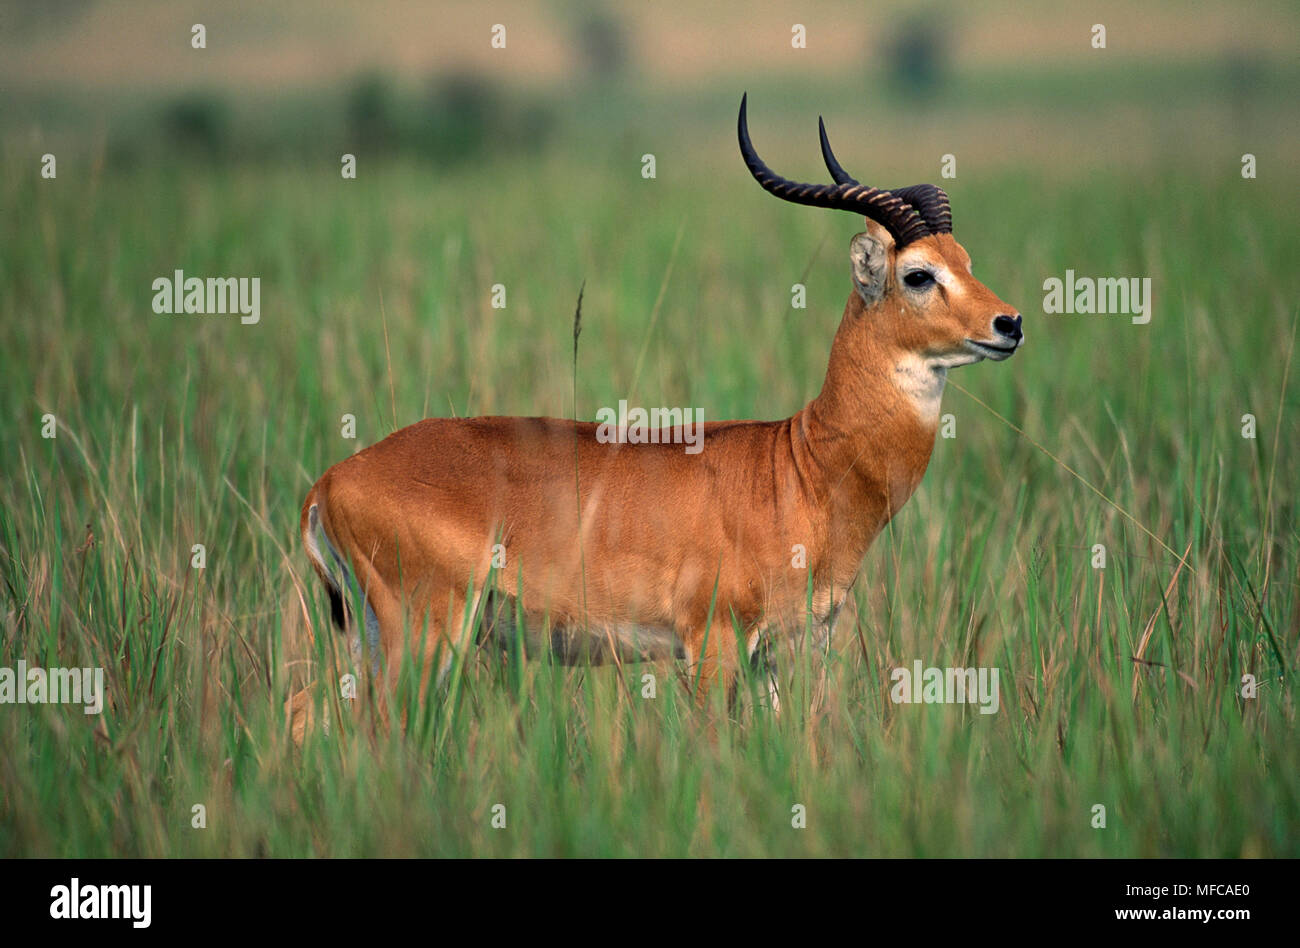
column 918, row 278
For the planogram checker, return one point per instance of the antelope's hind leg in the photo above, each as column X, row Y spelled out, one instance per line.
column 711, row 654
column 762, row 665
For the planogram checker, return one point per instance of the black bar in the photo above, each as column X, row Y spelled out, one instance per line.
column 337, row 897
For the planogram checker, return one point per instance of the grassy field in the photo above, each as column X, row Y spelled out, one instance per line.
column 175, row 431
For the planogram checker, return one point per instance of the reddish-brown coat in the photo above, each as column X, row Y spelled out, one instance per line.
column 418, row 513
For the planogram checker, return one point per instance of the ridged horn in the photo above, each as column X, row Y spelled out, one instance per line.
column 930, row 202
column 895, row 214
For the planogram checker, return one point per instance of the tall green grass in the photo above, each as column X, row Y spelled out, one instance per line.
column 173, row 431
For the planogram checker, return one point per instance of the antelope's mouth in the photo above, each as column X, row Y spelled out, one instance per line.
column 986, row 351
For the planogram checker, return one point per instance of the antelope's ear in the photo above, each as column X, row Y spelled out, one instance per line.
column 870, row 254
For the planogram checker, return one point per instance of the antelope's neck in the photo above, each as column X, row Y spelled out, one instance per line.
column 869, row 434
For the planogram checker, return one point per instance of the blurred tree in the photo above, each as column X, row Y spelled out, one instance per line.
column 602, row 42
column 1245, row 77
column 372, row 113
column 198, row 122
column 916, row 53
column 470, row 116
column 467, row 110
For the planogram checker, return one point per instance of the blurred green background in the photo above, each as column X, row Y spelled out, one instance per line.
column 523, row 166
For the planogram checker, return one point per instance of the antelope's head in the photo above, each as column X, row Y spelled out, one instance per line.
column 914, row 278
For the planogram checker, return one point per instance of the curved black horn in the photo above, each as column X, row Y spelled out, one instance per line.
column 832, row 165
column 893, row 213
column 930, row 202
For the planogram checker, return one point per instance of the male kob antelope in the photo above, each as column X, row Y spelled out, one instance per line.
column 643, row 551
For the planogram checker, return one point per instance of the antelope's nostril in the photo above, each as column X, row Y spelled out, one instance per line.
column 1008, row 326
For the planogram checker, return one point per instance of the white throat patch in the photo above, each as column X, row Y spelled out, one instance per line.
column 922, row 382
